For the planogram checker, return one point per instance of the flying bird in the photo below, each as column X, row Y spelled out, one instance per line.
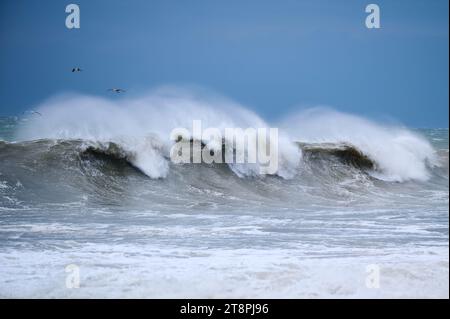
column 117, row 90
column 77, row 69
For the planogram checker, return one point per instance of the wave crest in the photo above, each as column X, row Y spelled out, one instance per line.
column 142, row 126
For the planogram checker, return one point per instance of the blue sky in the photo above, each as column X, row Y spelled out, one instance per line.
column 272, row 56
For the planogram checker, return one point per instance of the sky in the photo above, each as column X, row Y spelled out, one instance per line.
column 274, row 57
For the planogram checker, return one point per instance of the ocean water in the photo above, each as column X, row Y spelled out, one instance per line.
column 357, row 209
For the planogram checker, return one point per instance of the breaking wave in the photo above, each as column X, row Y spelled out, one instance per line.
column 137, row 130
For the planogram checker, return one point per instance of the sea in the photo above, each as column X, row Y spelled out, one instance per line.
column 91, row 206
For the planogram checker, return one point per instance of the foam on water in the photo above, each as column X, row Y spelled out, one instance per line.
column 68, row 195
column 399, row 153
column 118, row 271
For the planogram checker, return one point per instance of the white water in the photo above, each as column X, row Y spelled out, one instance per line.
column 129, row 271
column 400, row 154
column 200, row 231
column 142, row 126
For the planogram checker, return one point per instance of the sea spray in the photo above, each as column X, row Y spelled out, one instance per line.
column 398, row 153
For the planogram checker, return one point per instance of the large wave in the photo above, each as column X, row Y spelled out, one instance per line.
column 398, row 153
column 140, row 128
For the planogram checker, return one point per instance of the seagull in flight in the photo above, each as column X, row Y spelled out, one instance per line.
column 117, row 90
column 77, row 69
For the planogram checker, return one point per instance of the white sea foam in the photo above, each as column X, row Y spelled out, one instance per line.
column 398, row 153
column 128, row 271
column 202, row 232
column 142, row 125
